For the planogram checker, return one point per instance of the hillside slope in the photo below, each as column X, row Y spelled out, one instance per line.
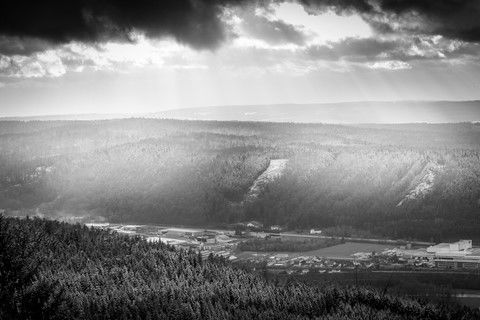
column 52, row 270
column 197, row 172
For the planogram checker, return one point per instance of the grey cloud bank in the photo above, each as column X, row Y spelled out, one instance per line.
column 28, row 26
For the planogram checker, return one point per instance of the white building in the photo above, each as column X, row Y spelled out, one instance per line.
column 254, row 225
column 456, row 255
column 458, row 248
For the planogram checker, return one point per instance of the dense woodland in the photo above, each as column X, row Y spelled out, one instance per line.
column 54, row 270
column 365, row 178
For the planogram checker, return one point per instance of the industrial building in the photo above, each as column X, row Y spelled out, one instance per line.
column 456, row 248
column 456, row 255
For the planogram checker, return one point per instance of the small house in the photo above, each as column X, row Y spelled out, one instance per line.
column 275, row 228
column 254, row 225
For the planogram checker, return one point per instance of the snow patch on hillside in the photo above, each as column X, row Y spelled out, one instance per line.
column 424, row 185
column 274, row 171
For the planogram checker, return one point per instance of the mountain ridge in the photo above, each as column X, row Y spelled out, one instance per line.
column 357, row 112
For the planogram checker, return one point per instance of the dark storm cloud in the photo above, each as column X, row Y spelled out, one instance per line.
column 340, row 6
column 195, row 22
column 199, row 23
column 457, row 19
column 454, row 19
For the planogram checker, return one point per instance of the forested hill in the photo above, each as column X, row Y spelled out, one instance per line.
column 52, row 270
column 411, row 181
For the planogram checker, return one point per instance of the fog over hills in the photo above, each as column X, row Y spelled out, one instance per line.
column 341, row 113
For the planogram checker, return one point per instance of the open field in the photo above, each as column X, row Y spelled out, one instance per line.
column 341, row 251
column 346, row 250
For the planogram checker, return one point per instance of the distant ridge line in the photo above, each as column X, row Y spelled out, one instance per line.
column 353, row 112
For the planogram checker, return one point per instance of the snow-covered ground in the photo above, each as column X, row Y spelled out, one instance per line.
column 170, row 241
column 97, row 224
column 181, row 230
column 275, row 170
column 127, row 229
column 424, row 185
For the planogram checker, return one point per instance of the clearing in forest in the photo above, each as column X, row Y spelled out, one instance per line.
column 274, row 171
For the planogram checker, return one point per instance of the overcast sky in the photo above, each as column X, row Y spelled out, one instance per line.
column 107, row 56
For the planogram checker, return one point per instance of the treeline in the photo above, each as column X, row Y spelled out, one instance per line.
column 282, row 245
column 409, row 181
column 53, row 270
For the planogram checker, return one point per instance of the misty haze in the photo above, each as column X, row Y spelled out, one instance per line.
column 240, row 159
